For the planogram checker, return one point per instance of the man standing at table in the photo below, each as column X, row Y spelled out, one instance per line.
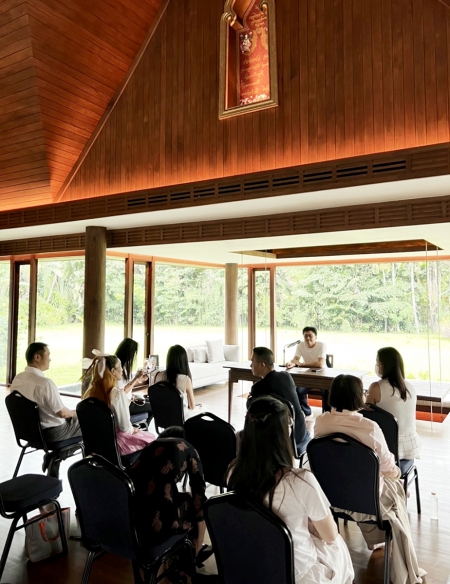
column 312, row 354
column 278, row 384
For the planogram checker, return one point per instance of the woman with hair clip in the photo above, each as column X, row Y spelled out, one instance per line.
column 398, row 397
column 264, row 471
column 127, row 352
column 177, row 373
column 104, row 373
column 346, row 399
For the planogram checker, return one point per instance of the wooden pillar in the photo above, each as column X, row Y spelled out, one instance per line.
column 231, row 304
column 94, row 290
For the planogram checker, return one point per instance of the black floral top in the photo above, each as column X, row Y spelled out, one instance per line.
column 162, row 510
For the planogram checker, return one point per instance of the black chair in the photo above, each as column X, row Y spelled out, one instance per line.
column 215, row 441
column 167, row 405
column 104, row 497
column 389, row 426
column 26, row 422
column 298, row 448
column 21, row 495
column 98, row 428
column 250, row 543
column 329, row 360
column 348, row 472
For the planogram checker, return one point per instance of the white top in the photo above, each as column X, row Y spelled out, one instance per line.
column 405, row 412
column 33, row 385
column 121, row 383
column 297, row 497
column 311, row 355
column 121, row 408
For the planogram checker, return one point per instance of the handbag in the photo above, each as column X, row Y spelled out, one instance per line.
column 42, row 538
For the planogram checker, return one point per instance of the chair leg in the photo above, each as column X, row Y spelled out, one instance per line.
column 88, row 568
column 8, row 543
column 19, row 462
column 419, row 506
column 387, row 557
column 62, row 531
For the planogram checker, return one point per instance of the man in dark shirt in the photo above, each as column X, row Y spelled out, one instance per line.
column 278, row 383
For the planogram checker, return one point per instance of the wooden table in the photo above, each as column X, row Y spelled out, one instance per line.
column 320, row 380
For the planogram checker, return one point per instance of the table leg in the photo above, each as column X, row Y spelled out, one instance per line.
column 230, row 395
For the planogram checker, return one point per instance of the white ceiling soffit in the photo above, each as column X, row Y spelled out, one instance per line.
column 222, row 251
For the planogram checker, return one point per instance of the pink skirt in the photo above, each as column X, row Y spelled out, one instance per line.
column 129, row 443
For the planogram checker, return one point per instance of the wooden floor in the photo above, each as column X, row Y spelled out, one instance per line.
column 431, row 538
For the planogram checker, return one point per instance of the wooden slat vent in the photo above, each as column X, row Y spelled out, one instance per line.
column 389, row 166
column 256, row 185
column 286, row 180
column 205, row 192
column 361, row 217
column 317, row 177
column 430, row 160
column 332, row 220
column 393, row 215
column 228, row 189
column 426, row 210
column 352, row 171
column 180, row 196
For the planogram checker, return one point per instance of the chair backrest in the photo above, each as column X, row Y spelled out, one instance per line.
column 25, row 419
column 329, row 360
column 215, row 441
column 249, row 540
column 98, row 429
column 348, row 472
column 388, row 424
column 103, row 497
column 167, row 405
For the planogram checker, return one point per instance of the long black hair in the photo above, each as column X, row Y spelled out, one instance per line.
column 177, row 364
column 393, row 370
column 127, row 351
column 265, row 452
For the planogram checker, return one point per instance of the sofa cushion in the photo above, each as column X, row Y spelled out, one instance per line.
column 190, row 354
column 231, row 352
column 200, row 355
column 214, row 350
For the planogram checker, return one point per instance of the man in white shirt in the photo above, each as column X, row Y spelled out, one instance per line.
column 312, row 354
column 57, row 422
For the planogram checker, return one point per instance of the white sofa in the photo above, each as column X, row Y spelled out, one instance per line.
column 205, row 372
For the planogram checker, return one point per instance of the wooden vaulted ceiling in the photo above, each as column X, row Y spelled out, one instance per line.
column 61, row 64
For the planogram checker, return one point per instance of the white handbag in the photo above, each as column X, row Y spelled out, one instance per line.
column 42, row 538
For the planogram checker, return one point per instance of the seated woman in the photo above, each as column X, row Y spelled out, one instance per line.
column 104, row 373
column 397, row 396
column 264, row 471
column 345, row 399
column 127, row 352
column 165, row 511
column 177, row 373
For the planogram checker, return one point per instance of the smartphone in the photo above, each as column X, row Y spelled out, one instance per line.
column 316, row 370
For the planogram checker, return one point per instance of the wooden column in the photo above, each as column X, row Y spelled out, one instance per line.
column 94, row 290
column 231, row 304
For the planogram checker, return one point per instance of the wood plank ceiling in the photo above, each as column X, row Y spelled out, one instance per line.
column 61, row 63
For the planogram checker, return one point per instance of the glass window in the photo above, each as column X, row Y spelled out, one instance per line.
column 139, row 291
column 363, row 307
column 189, row 306
column 24, row 305
column 114, row 303
column 262, row 308
column 59, row 318
column 243, row 312
column 4, row 315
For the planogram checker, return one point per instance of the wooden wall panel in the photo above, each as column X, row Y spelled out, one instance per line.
column 355, row 77
column 82, row 50
column 24, row 177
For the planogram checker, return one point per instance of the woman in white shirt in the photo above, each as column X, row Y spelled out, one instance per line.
column 398, row 397
column 177, row 373
column 264, row 471
column 105, row 372
column 346, row 399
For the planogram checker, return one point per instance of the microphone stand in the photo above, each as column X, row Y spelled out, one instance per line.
column 285, row 347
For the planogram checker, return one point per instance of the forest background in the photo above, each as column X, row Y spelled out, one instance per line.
column 356, row 307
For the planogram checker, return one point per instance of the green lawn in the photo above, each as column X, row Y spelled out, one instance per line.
column 423, row 357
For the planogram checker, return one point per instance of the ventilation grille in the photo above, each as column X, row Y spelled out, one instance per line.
column 414, row 163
